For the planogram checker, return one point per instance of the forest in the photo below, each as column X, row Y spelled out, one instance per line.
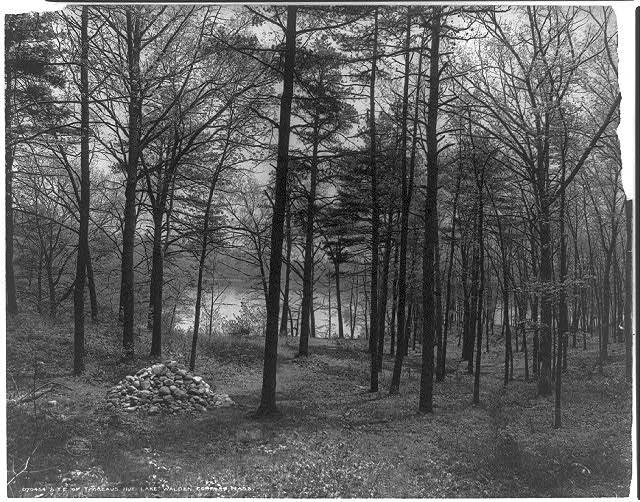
column 316, row 251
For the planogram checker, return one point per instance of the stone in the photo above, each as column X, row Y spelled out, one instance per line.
column 158, row 369
column 163, row 387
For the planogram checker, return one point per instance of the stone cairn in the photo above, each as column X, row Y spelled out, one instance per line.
column 167, row 387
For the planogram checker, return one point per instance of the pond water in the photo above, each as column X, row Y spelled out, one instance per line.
column 228, row 304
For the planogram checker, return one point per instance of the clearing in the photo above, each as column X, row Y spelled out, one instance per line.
column 334, row 438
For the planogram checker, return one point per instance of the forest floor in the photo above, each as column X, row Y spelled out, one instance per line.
column 334, row 438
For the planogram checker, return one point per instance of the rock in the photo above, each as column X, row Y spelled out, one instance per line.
column 166, row 387
column 158, row 369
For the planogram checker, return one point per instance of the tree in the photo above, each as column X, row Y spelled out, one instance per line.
column 268, row 396
column 83, row 233
column 30, row 108
column 431, row 221
column 527, row 133
column 628, row 288
column 323, row 115
column 407, row 187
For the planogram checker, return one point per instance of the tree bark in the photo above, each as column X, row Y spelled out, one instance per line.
column 563, row 314
column 375, row 217
column 628, row 289
column 157, row 278
column 287, row 276
column 202, row 259
column 307, row 280
column 93, row 299
column 129, row 230
column 480, row 266
column 12, row 302
column 83, row 231
column 404, row 221
column 268, row 395
column 394, row 300
column 431, row 222
column 384, row 289
column 441, row 369
column 338, row 301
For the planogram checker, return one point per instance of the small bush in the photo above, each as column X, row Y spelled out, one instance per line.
column 249, row 321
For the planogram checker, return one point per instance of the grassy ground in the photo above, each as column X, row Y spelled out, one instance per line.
column 334, row 439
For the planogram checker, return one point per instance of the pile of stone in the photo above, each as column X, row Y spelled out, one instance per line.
column 164, row 387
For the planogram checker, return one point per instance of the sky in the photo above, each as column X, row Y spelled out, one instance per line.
column 625, row 15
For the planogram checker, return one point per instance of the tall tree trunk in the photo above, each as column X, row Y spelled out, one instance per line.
column 338, row 301
column 404, row 221
column 628, row 289
column 157, row 278
column 93, row 300
column 12, row 302
column 438, row 293
column 476, row 380
column 353, row 305
column 375, row 213
column 441, row 369
column 474, row 312
column 307, row 280
column 39, row 286
column 546, row 304
column 431, row 222
column 287, row 276
column 203, row 257
column 394, row 300
column 129, row 230
column 83, row 231
column 382, row 300
column 268, row 395
column 329, row 294
column 563, row 314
